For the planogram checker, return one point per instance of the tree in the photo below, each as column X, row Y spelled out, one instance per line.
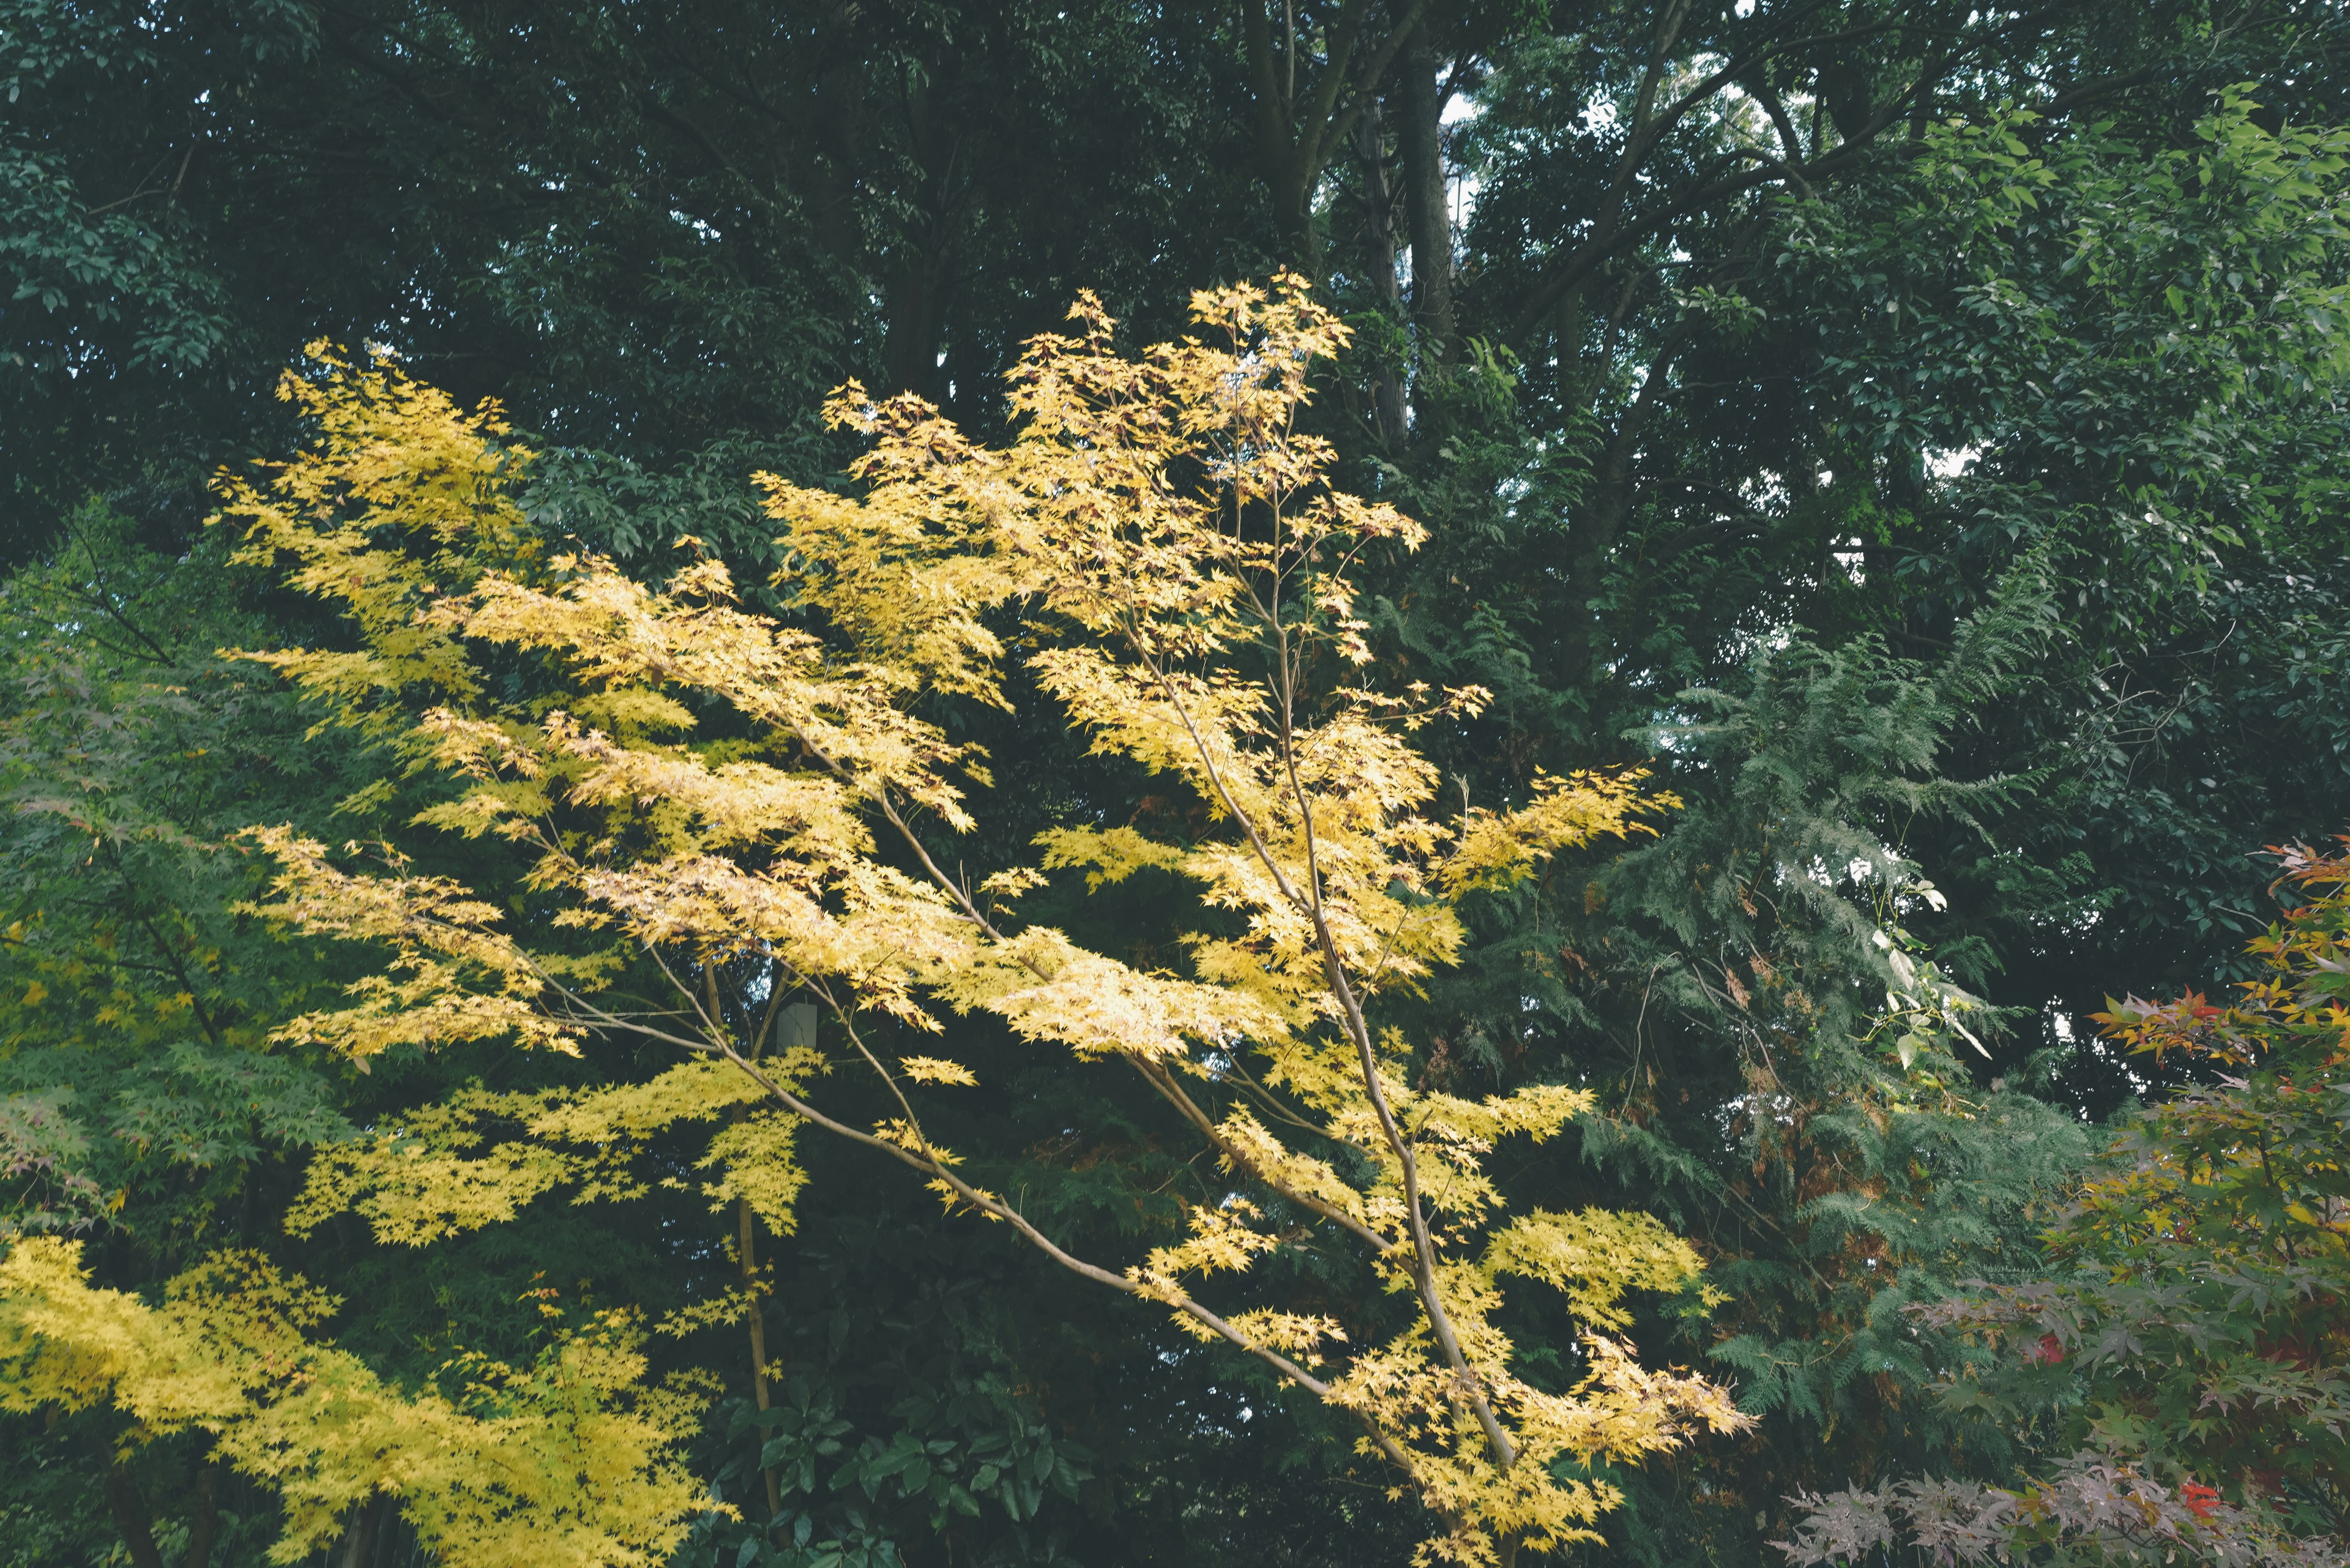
column 565, row 1461
column 144, row 1105
column 1182, row 558
column 1787, row 620
column 152, row 1133
column 2193, row 1356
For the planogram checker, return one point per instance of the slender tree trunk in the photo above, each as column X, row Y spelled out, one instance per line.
column 1426, row 202
column 130, row 1518
column 206, row 1523
column 1380, row 263
column 748, row 1226
column 1301, row 125
column 358, row 1537
column 1292, row 182
column 1281, row 155
column 920, row 272
column 910, row 341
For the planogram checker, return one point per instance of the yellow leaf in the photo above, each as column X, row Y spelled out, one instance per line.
column 933, row 1070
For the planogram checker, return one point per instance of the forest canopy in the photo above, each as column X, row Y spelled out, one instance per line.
column 1340, row 783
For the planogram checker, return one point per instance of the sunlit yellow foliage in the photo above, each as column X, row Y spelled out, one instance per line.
column 560, row 1463
column 453, row 975
column 434, row 1172
column 755, row 1164
column 1167, row 538
column 413, row 499
column 934, row 1070
column 1594, row 1257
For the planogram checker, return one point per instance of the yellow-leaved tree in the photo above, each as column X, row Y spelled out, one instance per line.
column 757, row 810
column 569, row 1461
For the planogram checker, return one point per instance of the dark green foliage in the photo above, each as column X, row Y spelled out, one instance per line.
column 2189, row 1341
column 1788, row 1067
column 141, row 1083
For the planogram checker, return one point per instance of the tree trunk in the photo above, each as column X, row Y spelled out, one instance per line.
column 206, row 1523
column 1292, row 182
column 1277, row 148
column 1301, row 125
column 748, row 1225
column 1427, row 202
column 358, row 1536
column 1380, row 263
column 130, row 1517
